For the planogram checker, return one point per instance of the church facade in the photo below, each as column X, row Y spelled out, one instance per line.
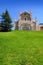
column 26, row 22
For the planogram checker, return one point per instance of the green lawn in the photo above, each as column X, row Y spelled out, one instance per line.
column 21, row 48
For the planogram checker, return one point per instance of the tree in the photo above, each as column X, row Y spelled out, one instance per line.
column 6, row 22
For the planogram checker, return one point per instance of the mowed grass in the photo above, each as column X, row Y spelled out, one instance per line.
column 21, row 48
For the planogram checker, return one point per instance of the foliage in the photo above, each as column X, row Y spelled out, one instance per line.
column 6, row 22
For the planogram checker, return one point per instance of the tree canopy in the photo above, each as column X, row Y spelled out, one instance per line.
column 6, row 22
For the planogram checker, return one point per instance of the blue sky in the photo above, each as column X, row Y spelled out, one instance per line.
column 16, row 6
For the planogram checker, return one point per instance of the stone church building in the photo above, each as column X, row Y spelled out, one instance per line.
column 26, row 22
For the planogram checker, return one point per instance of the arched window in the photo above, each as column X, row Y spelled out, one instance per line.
column 25, row 19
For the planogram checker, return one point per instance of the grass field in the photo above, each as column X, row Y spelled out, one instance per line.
column 21, row 48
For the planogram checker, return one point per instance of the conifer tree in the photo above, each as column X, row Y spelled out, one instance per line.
column 6, row 21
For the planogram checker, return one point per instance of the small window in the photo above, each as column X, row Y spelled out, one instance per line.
column 24, row 13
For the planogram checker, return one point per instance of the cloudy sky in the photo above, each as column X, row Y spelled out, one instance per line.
column 16, row 6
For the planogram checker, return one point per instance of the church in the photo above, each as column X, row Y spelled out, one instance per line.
column 26, row 22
